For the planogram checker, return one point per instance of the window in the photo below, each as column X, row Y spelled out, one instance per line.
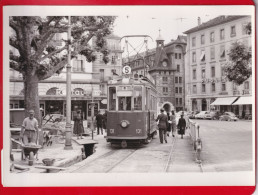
column 203, row 88
column 165, row 89
column 194, row 89
column 165, row 79
column 213, row 71
column 178, row 68
column 194, row 73
column 137, row 98
column 222, row 34
column 193, row 57
column 246, row 85
column 213, row 87
column 223, row 71
column 124, row 103
column 212, row 53
column 212, row 37
column 203, row 73
column 222, row 51
column 101, row 74
column 180, row 79
column 176, row 89
column 77, row 66
column 113, row 59
column 193, row 42
column 176, row 101
column 202, row 39
column 180, row 90
column 175, row 55
column 112, row 98
column 180, row 101
column 223, row 87
column 233, row 31
column 202, row 58
column 176, row 79
column 179, row 56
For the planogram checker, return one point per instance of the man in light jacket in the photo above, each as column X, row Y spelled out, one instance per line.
column 163, row 124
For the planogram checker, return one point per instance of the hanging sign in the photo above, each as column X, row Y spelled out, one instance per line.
column 126, row 70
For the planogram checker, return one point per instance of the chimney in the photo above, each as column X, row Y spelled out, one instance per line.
column 199, row 21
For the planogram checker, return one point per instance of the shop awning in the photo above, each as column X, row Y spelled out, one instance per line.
column 224, row 101
column 244, row 100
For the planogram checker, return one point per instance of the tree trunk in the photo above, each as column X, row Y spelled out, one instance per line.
column 31, row 98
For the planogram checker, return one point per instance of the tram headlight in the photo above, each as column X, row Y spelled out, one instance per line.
column 138, row 131
column 124, row 123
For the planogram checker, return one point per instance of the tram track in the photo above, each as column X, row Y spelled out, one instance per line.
column 171, row 154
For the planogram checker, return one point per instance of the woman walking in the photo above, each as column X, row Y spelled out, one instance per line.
column 181, row 126
column 169, row 125
column 173, row 122
column 78, row 128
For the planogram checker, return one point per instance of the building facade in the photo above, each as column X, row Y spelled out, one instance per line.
column 208, row 45
column 88, row 83
column 165, row 64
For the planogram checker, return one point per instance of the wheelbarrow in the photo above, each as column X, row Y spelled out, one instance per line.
column 28, row 151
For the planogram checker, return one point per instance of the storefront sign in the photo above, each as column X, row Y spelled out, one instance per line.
column 215, row 80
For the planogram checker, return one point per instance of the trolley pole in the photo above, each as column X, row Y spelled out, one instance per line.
column 68, row 126
column 92, row 114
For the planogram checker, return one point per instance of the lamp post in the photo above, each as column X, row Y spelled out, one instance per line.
column 68, row 131
column 92, row 113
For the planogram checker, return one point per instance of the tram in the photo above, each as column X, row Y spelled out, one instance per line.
column 131, row 111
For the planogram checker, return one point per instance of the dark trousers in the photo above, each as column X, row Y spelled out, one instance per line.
column 99, row 126
column 161, row 133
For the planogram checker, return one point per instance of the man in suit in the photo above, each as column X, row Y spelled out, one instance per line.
column 163, row 124
column 181, row 126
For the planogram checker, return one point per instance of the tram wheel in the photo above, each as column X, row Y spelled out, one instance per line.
column 123, row 144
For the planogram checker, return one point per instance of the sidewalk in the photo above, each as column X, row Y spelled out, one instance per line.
column 63, row 158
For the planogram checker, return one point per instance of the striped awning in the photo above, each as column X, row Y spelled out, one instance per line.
column 224, row 101
column 244, row 100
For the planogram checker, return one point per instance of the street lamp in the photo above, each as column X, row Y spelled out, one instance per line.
column 68, row 126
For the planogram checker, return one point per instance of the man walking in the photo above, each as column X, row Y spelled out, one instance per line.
column 181, row 126
column 163, row 124
column 99, row 119
column 29, row 130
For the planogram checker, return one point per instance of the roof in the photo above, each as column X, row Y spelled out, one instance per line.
column 213, row 22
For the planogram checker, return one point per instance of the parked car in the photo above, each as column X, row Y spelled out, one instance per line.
column 212, row 115
column 201, row 115
column 192, row 114
column 228, row 116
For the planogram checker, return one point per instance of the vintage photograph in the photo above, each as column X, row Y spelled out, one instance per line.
column 145, row 90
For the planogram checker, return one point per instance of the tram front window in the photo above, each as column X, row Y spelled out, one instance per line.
column 137, row 98
column 124, row 103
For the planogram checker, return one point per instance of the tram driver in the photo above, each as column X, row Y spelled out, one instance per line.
column 125, row 103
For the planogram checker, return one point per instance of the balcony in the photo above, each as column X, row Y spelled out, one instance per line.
column 236, row 92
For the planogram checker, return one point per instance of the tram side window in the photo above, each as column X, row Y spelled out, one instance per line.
column 138, row 98
column 124, row 103
column 112, row 98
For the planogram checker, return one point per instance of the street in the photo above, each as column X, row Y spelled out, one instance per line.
column 227, row 146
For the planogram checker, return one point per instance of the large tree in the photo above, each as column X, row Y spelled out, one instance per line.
column 38, row 58
column 238, row 69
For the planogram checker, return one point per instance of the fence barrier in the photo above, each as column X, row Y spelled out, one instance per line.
column 194, row 131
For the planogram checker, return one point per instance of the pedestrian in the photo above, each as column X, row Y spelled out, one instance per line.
column 78, row 128
column 169, row 124
column 99, row 119
column 105, row 121
column 173, row 122
column 181, row 126
column 162, row 124
column 29, row 131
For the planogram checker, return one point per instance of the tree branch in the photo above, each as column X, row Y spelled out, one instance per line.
column 16, row 66
column 53, row 53
column 53, row 69
column 14, row 58
column 13, row 43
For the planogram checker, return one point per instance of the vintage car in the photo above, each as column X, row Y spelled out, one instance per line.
column 228, row 116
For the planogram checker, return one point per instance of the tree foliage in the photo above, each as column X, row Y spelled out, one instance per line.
column 33, row 38
column 238, row 69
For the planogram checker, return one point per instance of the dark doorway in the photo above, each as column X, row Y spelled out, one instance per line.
column 204, row 105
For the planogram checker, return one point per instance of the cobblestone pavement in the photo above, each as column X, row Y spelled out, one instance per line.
column 227, row 146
